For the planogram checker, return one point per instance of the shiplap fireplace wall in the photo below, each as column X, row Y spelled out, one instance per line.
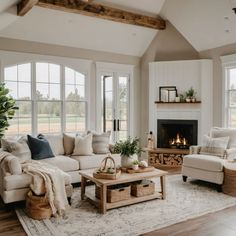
column 183, row 75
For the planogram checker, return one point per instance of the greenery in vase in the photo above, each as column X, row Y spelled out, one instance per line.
column 190, row 93
column 7, row 109
column 128, row 147
column 136, row 162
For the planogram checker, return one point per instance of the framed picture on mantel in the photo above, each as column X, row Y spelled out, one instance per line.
column 167, row 93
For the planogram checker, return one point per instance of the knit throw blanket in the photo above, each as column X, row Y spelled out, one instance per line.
column 49, row 180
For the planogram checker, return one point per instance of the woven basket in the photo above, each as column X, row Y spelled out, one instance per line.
column 115, row 193
column 142, row 188
column 103, row 173
column 37, row 207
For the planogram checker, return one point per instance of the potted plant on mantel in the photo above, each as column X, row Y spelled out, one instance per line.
column 7, row 109
column 190, row 95
column 129, row 150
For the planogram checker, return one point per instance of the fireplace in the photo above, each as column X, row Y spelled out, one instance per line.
column 176, row 133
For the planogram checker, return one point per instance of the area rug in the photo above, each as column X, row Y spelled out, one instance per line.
column 184, row 201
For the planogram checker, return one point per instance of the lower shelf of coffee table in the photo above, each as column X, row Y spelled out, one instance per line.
column 130, row 201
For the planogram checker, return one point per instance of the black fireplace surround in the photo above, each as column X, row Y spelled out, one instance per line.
column 168, row 130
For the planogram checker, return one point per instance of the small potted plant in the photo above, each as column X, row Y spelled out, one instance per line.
column 190, row 95
column 135, row 165
column 129, row 150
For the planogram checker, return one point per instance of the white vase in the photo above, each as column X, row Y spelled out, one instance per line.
column 127, row 161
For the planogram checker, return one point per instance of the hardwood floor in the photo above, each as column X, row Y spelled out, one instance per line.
column 214, row 224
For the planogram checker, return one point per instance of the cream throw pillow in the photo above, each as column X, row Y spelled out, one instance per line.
column 18, row 148
column 69, row 143
column 214, row 146
column 83, row 145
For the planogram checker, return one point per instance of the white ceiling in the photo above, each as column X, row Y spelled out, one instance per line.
column 205, row 24
column 61, row 28
column 202, row 22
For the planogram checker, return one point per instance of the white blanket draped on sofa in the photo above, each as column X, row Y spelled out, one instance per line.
column 49, row 180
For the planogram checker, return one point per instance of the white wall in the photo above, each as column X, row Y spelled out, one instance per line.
column 183, row 75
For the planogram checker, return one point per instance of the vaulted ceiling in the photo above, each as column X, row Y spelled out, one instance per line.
column 204, row 23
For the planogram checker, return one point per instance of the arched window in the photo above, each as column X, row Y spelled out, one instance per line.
column 51, row 98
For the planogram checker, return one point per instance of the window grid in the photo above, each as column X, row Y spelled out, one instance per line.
column 61, row 103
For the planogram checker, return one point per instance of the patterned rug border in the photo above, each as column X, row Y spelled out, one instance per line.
column 53, row 231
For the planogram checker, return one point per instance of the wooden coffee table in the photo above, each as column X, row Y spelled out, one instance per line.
column 102, row 203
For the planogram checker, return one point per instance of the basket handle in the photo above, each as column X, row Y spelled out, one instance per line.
column 105, row 162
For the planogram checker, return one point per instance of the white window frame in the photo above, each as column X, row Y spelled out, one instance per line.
column 121, row 69
column 8, row 59
column 228, row 62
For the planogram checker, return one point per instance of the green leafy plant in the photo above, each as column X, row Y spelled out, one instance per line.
column 7, row 109
column 135, row 162
column 191, row 93
column 128, row 147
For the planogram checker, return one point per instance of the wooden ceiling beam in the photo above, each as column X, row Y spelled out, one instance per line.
column 24, row 6
column 103, row 12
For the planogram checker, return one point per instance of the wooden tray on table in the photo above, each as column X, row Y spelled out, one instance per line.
column 140, row 170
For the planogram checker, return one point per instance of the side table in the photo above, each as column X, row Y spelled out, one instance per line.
column 229, row 184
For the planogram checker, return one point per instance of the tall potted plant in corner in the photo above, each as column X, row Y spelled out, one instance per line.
column 7, row 109
column 129, row 150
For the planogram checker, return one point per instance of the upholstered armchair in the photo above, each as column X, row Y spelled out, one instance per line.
column 206, row 162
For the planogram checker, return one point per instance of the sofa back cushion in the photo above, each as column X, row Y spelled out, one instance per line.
column 56, row 143
column 214, row 146
column 100, row 142
column 69, row 143
column 217, row 132
column 83, row 145
column 18, row 148
column 39, row 147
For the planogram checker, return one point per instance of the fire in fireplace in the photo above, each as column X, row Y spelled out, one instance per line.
column 176, row 133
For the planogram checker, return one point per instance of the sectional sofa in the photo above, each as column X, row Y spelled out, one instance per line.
column 14, row 184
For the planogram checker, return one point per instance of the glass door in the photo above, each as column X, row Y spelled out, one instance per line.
column 115, row 105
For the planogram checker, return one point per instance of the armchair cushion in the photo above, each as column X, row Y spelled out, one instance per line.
column 214, row 146
column 204, row 162
column 217, row 132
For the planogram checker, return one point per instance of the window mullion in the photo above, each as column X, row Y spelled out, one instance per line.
column 63, row 102
column 33, row 98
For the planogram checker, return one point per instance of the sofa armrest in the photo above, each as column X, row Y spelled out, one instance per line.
column 230, row 154
column 10, row 164
column 194, row 149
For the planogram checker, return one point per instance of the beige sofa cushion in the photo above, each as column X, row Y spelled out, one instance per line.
column 63, row 162
column 94, row 161
column 12, row 182
column 18, row 148
column 69, row 143
column 204, row 162
column 83, row 145
column 217, row 132
column 56, row 143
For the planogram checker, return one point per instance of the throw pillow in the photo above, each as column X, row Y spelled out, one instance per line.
column 39, row 147
column 83, row 145
column 69, row 143
column 18, row 148
column 100, row 143
column 56, row 143
column 214, row 146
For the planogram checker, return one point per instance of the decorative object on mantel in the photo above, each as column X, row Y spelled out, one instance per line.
column 167, row 93
column 128, row 149
column 107, row 170
column 190, row 95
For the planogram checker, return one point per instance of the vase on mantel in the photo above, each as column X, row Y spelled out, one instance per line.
column 127, row 161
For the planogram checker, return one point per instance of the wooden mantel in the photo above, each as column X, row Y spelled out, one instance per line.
column 89, row 8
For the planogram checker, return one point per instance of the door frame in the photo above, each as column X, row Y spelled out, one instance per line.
column 111, row 68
